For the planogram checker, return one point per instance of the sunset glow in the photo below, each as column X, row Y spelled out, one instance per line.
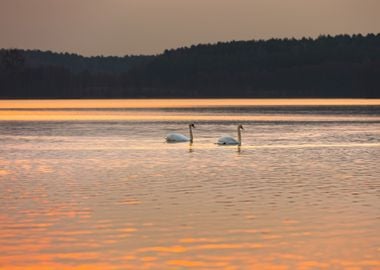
column 177, row 103
column 120, row 27
column 189, row 135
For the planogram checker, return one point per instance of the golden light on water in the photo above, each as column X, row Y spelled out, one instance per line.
column 176, row 103
column 112, row 110
column 43, row 115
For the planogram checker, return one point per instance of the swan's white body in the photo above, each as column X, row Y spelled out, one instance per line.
column 228, row 140
column 176, row 137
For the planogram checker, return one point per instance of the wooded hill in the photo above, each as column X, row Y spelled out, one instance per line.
column 339, row 66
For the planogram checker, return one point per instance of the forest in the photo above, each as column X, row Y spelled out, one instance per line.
column 342, row 66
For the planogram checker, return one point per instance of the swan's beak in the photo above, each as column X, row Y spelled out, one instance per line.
column 242, row 128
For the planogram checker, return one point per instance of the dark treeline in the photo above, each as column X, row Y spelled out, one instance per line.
column 340, row 66
column 77, row 63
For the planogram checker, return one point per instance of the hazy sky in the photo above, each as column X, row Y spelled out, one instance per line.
column 119, row 27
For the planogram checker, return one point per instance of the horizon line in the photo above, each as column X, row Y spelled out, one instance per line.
column 195, row 45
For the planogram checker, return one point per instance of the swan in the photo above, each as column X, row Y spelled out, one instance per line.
column 227, row 140
column 175, row 137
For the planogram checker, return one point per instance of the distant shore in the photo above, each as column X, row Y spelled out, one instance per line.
column 342, row 66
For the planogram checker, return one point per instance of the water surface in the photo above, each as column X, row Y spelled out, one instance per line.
column 93, row 185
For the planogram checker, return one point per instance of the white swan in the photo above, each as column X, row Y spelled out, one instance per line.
column 175, row 137
column 227, row 140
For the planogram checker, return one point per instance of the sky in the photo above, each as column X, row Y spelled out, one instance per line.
column 121, row 27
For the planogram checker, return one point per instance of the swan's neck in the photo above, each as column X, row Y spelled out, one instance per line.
column 239, row 135
column 191, row 134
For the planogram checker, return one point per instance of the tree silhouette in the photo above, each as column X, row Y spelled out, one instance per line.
column 12, row 60
column 339, row 66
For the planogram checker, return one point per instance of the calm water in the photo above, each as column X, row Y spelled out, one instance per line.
column 93, row 185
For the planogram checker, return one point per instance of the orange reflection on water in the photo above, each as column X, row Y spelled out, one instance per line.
column 58, row 266
column 4, row 172
column 175, row 103
column 165, row 257
column 61, row 115
column 101, row 110
column 165, row 249
column 198, row 240
column 185, row 263
column 108, row 219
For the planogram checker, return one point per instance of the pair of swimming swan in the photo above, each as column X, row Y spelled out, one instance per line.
column 226, row 140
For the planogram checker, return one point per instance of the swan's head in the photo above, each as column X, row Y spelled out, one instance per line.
column 240, row 127
column 192, row 125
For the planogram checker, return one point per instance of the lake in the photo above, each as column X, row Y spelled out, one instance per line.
column 92, row 184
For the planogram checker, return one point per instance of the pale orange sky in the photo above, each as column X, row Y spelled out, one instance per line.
column 119, row 27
